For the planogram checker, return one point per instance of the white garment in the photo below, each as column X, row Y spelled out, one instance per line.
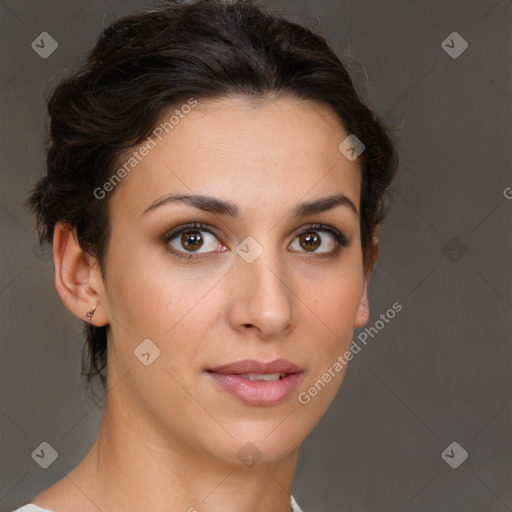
column 34, row 508
column 295, row 505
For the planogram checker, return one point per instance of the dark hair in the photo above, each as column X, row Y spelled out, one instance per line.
column 147, row 62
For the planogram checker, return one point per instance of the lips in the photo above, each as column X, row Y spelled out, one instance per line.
column 257, row 383
column 256, row 367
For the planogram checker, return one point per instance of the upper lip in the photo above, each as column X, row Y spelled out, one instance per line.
column 253, row 366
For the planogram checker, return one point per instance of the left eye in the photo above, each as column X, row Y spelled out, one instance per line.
column 311, row 240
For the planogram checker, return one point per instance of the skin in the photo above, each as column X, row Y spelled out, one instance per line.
column 169, row 437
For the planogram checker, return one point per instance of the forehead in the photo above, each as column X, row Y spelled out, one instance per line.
column 241, row 150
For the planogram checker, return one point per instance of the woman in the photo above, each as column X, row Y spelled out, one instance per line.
column 214, row 185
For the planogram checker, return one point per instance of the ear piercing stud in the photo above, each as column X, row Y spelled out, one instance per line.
column 90, row 313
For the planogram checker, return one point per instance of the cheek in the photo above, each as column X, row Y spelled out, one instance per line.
column 331, row 334
column 148, row 294
column 333, row 309
column 335, row 301
column 172, row 307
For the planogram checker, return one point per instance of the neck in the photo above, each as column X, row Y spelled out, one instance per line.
column 140, row 467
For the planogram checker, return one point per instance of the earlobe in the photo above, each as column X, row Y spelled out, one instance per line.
column 77, row 277
column 362, row 315
column 363, row 311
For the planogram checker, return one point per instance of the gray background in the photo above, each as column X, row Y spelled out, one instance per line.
column 438, row 372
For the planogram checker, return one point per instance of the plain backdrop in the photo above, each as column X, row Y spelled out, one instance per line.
column 437, row 373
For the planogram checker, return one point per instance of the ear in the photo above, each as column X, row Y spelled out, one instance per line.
column 363, row 311
column 77, row 276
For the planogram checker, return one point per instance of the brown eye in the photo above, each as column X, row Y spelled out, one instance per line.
column 322, row 238
column 191, row 240
column 310, row 241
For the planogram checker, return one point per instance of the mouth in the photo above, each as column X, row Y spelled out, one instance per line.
column 254, row 367
column 263, row 376
column 256, row 383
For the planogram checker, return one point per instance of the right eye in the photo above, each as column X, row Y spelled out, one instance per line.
column 187, row 240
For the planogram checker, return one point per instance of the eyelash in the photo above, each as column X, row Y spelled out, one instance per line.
column 340, row 238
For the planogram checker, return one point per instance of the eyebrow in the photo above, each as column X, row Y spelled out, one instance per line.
column 214, row 205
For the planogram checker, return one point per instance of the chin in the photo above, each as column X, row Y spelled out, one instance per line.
column 254, row 446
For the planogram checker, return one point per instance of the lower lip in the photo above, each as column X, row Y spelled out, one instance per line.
column 258, row 392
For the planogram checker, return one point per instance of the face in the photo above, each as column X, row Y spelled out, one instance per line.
column 259, row 277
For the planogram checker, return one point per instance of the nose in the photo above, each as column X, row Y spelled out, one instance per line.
column 262, row 298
